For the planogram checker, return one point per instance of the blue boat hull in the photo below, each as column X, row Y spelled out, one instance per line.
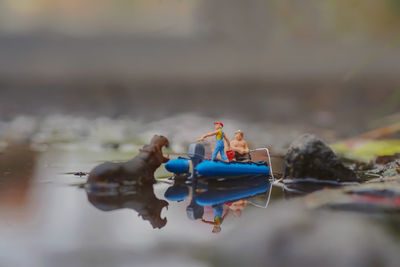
column 217, row 168
column 221, row 192
column 178, row 166
column 251, row 186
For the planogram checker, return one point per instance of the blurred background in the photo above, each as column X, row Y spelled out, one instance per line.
column 327, row 64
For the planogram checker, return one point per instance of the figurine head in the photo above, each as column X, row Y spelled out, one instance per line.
column 237, row 207
column 216, row 229
column 218, row 125
column 239, row 135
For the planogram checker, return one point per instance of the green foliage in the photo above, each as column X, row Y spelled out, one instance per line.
column 366, row 149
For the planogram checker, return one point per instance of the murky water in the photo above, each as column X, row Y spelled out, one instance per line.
column 50, row 215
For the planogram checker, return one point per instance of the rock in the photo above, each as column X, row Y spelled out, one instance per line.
column 310, row 157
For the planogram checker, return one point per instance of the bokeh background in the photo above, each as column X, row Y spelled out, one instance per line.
column 331, row 65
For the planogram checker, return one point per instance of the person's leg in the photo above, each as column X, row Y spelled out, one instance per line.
column 215, row 153
column 221, row 150
column 242, row 157
column 223, row 155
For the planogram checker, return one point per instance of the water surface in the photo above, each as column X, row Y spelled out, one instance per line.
column 49, row 215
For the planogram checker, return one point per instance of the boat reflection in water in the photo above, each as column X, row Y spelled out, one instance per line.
column 224, row 197
column 138, row 197
column 220, row 197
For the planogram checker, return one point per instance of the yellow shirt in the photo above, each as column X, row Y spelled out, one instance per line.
column 220, row 134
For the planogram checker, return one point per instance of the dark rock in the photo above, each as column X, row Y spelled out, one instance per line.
column 309, row 156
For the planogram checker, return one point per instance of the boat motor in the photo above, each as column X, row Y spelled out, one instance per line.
column 196, row 154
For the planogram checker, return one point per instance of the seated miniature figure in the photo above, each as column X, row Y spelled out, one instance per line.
column 219, row 146
column 240, row 147
column 237, row 206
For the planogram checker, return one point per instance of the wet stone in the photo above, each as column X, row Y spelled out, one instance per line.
column 310, row 157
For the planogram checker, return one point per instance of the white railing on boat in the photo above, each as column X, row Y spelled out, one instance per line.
column 270, row 172
column 269, row 160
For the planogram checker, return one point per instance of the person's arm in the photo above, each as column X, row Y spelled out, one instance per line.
column 240, row 149
column 234, row 147
column 228, row 143
column 246, row 147
column 208, row 222
column 207, row 135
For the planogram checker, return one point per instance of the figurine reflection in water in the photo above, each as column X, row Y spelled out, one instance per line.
column 218, row 218
column 222, row 196
column 237, row 206
column 194, row 211
column 219, row 214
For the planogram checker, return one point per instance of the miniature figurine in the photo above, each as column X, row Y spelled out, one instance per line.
column 140, row 169
column 219, row 146
column 218, row 218
column 240, row 147
column 237, row 206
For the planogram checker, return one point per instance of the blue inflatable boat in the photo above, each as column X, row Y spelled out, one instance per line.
column 179, row 166
column 217, row 168
column 199, row 165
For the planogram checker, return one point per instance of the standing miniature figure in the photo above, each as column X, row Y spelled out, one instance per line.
column 240, row 147
column 219, row 146
column 218, row 218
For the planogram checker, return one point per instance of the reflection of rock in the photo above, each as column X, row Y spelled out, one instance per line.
column 310, row 157
column 139, row 169
column 140, row 198
column 301, row 186
column 378, row 196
